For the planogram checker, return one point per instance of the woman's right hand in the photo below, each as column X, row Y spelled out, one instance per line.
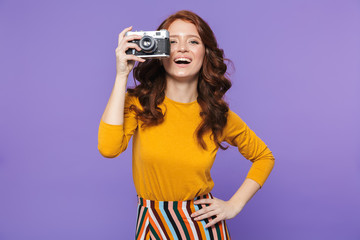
column 125, row 62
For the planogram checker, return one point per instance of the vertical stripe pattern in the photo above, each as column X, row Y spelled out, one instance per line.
column 171, row 220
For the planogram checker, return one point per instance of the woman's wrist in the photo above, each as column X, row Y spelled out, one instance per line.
column 121, row 77
column 121, row 80
column 243, row 195
column 237, row 206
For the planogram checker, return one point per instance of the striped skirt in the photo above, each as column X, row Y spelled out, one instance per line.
column 171, row 220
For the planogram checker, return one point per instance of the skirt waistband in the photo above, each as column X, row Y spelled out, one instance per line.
column 161, row 204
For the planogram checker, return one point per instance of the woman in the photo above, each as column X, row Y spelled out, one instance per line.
column 178, row 119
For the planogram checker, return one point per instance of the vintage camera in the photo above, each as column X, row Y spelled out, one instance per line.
column 153, row 44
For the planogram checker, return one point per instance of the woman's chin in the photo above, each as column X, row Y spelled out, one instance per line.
column 183, row 76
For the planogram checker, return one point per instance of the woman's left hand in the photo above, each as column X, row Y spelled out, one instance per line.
column 221, row 209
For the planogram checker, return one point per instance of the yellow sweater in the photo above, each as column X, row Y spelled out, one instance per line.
column 168, row 164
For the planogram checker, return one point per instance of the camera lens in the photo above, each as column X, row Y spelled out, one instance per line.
column 147, row 44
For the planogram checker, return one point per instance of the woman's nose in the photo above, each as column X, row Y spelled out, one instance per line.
column 183, row 47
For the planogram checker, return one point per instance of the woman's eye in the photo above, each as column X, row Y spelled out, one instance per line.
column 172, row 41
column 194, row 42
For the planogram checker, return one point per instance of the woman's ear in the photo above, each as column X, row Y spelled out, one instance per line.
column 206, row 52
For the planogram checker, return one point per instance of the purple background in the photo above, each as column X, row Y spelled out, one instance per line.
column 296, row 84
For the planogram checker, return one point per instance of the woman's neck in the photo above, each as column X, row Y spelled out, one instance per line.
column 181, row 91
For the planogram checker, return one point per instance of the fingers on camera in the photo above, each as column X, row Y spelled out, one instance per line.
column 127, row 39
column 123, row 49
column 135, row 58
column 132, row 37
column 122, row 34
column 132, row 45
column 124, row 43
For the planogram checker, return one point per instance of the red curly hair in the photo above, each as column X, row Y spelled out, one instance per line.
column 212, row 84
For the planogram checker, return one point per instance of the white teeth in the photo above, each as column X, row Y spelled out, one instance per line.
column 182, row 59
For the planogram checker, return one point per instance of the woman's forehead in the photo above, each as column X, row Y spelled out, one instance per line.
column 182, row 28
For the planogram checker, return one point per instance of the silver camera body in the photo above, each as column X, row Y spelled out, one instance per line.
column 153, row 44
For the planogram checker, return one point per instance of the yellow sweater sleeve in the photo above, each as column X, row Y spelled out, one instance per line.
column 237, row 133
column 114, row 139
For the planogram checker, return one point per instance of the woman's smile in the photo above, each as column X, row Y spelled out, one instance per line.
column 182, row 61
